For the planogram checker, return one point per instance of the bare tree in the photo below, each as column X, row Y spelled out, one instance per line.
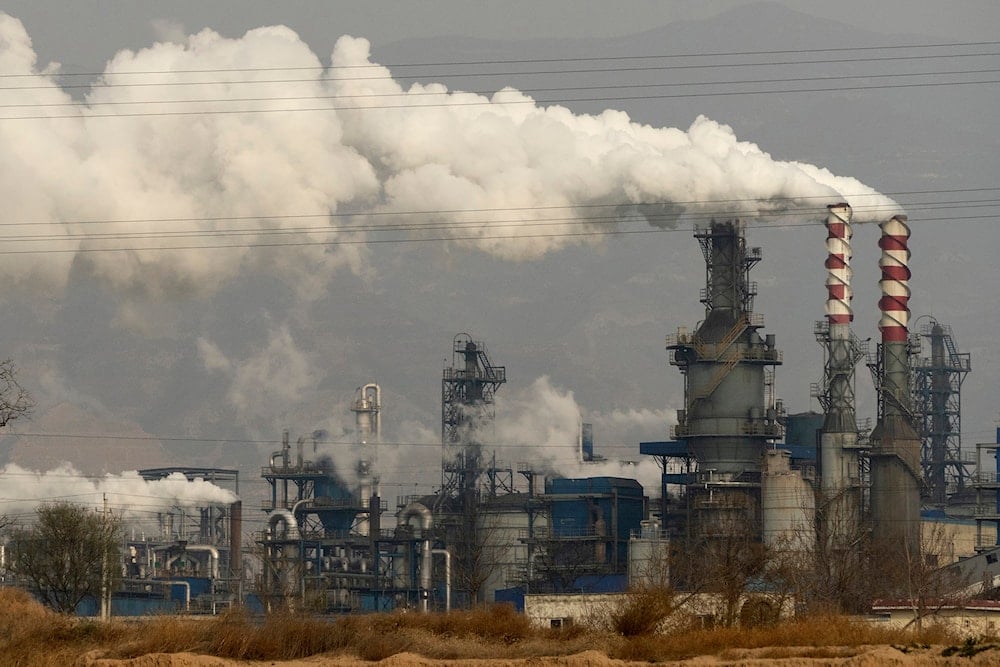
column 473, row 528
column 71, row 552
column 559, row 562
column 928, row 586
column 726, row 560
column 15, row 401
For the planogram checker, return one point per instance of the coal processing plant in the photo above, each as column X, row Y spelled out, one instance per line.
column 739, row 472
column 739, row 475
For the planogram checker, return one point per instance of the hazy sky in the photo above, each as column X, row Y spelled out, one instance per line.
column 84, row 33
column 216, row 351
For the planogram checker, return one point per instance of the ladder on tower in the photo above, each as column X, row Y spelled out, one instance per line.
column 727, row 356
column 726, row 365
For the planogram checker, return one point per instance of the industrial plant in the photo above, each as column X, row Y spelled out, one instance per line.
column 737, row 471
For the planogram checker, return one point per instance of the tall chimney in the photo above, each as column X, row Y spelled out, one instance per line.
column 895, row 459
column 840, row 500
column 236, row 540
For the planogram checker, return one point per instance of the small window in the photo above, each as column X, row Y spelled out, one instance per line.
column 991, row 559
column 557, row 623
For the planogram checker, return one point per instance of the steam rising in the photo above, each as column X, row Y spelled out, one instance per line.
column 541, row 425
column 25, row 490
column 527, row 179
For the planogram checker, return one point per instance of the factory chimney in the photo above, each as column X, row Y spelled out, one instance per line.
column 839, row 516
column 895, row 456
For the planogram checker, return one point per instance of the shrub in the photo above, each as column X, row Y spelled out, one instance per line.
column 642, row 611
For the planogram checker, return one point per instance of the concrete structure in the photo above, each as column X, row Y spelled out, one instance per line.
column 596, row 609
column 788, row 503
column 972, row 618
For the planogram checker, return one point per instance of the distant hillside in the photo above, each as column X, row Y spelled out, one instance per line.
column 132, row 448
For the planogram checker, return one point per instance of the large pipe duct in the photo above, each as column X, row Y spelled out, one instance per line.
column 840, row 497
column 895, row 462
column 286, row 517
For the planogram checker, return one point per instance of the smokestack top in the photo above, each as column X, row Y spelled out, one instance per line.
column 895, row 286
column 838, row 265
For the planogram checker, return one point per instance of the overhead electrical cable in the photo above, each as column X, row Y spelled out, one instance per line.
column 518, row 61
column 408, row 240
column 508, row 73
column 542, row 102
column 822, row 201
column 437, row 94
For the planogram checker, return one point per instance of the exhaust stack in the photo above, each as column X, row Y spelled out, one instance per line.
column 895, row 459
column 840, row 471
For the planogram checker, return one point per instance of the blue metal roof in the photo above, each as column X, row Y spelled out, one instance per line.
column 665, row 448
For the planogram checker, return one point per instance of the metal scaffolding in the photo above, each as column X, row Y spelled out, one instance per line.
column 937, row 401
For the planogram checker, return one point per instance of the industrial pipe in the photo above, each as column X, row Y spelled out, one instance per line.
column 447, row 577
column 417, row 510
column 213, row 557
column 284, row 516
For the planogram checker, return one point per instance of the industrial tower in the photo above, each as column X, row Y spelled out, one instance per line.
column 467, row 391
column 895, row 455
column 937, row 399
column 730, row 415
column 840, row 498
column 367, row 409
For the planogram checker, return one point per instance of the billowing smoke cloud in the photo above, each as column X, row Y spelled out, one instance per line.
column 25, row 490
column 268, row 384
column 541, row 425
column 124, row 170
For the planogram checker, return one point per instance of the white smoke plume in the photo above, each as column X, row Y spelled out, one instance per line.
column 267, row 385
column 166, row 170
column 24, row 490
column 541, row 426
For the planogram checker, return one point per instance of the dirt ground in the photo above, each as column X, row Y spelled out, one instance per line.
column 869, row 656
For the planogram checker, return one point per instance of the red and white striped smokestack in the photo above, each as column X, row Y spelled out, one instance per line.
column 895, row 283
column 838, row 267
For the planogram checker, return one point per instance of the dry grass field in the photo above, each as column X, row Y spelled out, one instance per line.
column 488, row 637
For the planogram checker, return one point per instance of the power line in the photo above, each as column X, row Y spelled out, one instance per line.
column 508, row 73
column 494, row 103
column 437, row 94
column 591, row 233
column 519, row 61
column 821, row 200
column 437, row 222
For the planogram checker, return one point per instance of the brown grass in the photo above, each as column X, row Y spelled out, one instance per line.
column 815, row 636
column 30, row 635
